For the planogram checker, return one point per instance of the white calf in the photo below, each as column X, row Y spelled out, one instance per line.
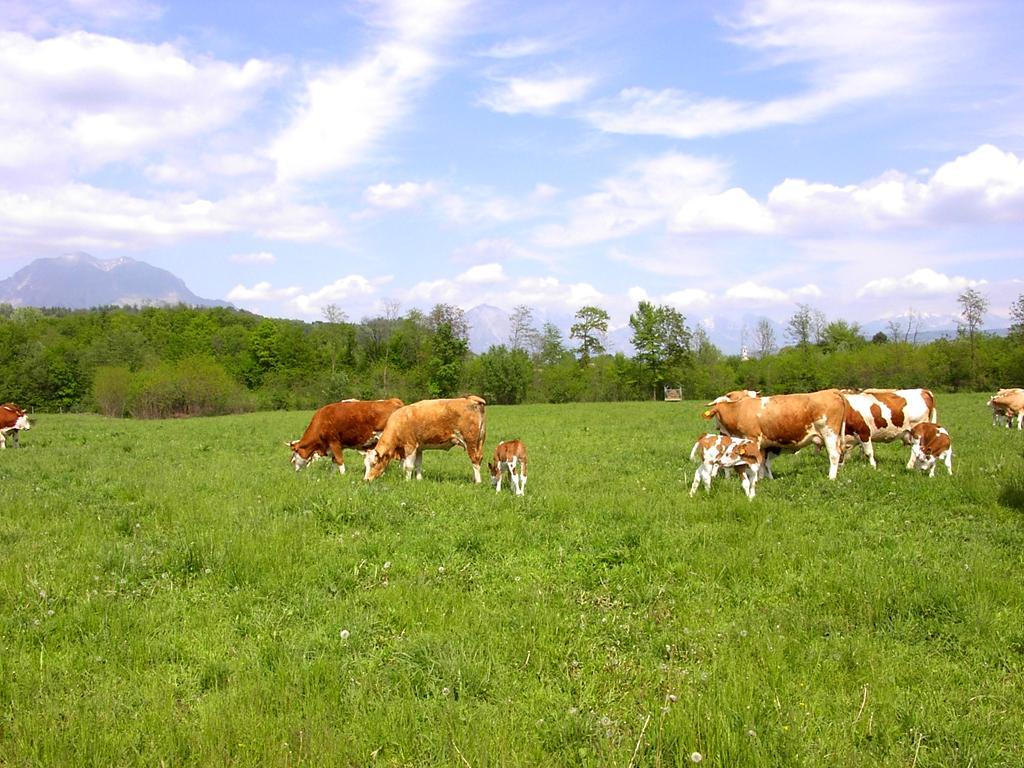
column 510, row 457
column 737, row 453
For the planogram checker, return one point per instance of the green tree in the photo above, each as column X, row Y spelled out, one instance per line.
column 764, row 338
column 522, row 332
column 1017, row 318
column 973, row 305
column 806, row 326
column 448, row 352
column 504, row 375
column 840, row 335
column 660, row 338
column 551, row 348
column 589, row 329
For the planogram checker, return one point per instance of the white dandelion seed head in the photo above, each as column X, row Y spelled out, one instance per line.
column 343, row 634
column 696, row 757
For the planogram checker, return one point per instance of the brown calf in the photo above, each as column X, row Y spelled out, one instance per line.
column 510, row 457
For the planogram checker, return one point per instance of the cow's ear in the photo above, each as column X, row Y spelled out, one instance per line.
column 291, row 443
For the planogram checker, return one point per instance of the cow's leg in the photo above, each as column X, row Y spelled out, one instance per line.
column 749, row 480
column 476, row 457
column 501, row 476
column 832, row 446
column 709, row 473
column 696, row 479
column 521, row 490
column 15, row 439
column 869, row 451
column 1020, row 419
column 3, row 441
column 766, row 466
column 337, row 456
column 419, row 464
column 948, row 459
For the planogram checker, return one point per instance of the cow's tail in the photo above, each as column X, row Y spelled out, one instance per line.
column 479, row 402
column 693, row 451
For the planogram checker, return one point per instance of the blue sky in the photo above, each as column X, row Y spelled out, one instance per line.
column 729, row 159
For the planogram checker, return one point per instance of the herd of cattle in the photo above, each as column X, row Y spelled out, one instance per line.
column 752, row 430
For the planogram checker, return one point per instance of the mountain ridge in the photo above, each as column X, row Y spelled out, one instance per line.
column 80, row 281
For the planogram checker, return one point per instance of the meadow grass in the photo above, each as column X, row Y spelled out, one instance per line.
column 173, row 593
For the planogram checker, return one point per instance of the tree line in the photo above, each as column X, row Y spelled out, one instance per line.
column 179, row 361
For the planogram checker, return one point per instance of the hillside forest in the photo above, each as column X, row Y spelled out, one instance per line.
column 154, row 362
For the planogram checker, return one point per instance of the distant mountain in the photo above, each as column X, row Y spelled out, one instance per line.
column 80, row 281
column 488, row 327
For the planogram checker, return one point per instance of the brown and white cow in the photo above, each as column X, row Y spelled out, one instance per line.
column 349, row 424
column 930, row 445
column 784, row 422
column 510, row 458
column 1007, row 405
column 718, row 451
column 883, row 415
column 429, row 424
column 12, row 419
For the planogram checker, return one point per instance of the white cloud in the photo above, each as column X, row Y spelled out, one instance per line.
column 689, row 297
column 984, row 185
column 80, row 100
column 731, row 211
column 45, row 18
column 809, row 291
column 259, row 257
column 518, row 95
column 348, row 289
column 398, row 196
column 544, row 293
column 519, row 48
column 920, row 282
column 344, row 112
column 751, row 291
column 482, row 274
column 81, row 216
column 846, row 52
column 647, row 192
column 261, row 292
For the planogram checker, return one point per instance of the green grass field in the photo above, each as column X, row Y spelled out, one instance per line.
column 173, row 593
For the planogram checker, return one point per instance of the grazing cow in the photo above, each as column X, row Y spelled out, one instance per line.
column 439, row 424
column 719, row 451
column 883, row 415
column 349, row 424
column 784, row 422
column 12, row 419
column 510, row 457
column 1007, row 405
column 931, row 444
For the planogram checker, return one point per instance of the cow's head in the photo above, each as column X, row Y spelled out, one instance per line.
column 374, row 465
column 735, row 396
column 298, row 460
column 495, row 470
column 22, row 422
column 749, row 452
